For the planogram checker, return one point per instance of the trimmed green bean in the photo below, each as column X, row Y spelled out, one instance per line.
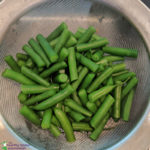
column 92, row 45
column 96, row 37
column 83, row 96
column 126, row 107
column 58, row 97
column 35, row 89
column 98, row 103
column 63, row 54
column 82, row 74
column 55, row 121
column 97, row 55
column 53, row 42
column 119, row 67
column 62, row 40
column 130, row 85
column 30, row 63
column 22, row 56
column 30, row 115
column 102, row 111
column 40, row 97
column 51, row 54
column 35, row 77
column 79, row 32
column 81, row 126
column 46, row 121
column 52, row 69
column 121, row 51
column 36, row 47
column 22, row 97
column 40, row 113
column 72, row 64
column 91, row 107
column 98, row 130
column 101, row 92
column 54, row 130
column 59, row 105
column 80, row 67
column 12, row 63
column 61, row 78
column 97, row 82
column 88, row 54
column 57, row 31
column 21, row 62
column 66, row 125
column 35, row 57
column 112, row 58
column 76, row 98
column 75, row 106
column 18, row 77
column 110, row 81
column 120, row 73
column 103, row 62
column 71, row 41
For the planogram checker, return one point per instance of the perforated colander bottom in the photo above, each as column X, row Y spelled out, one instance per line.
column 76, row 13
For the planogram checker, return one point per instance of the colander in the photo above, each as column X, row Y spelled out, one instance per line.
column 126, row 23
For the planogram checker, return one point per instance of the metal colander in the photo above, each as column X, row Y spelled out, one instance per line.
column 109, row 23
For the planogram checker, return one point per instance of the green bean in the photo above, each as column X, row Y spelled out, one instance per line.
column 35, row 57
column 79, row 32
column 124, row 76
column 117, row 103
column 30, row 63
column 101, row 92
column 55, row 121
column 40, row 113
column 61, row 78
column 18, row 77
column 58, row 97
column 21, row 62
column 102, row 111
column 65, row 123
column 54, row 130
column 35, row 89
column 91, row 107
column 87, row 35
column 87, row 62
column 22, row 97
column 76, row 107
column 36, row 47
column 126, row 107
column 12, row 63
column 53, row 42
column 35, row 70
column 82, row 74
column 83, row 96
column 72, row 64
column 97, row 55
column 112, row 58
column 98, row 130
column 63, row 54
column 97, row 82
column 63, row 85
column 52, row 69
column 88, row 54
column 62, row 40
column 80, row 67
column 30, row 115
column 92, row 45
column 40, row 97
column 130, row 85
column 59, row 105
column 87, row 81
column 57, row 31
column 98, row 103
column 22, row 56
column 35, row 77
column 110, row 81
column 51, row 54
column 96, row 37
column 118, row 67
column 46, row 121
column 81, row 126
column 76, row 98
column 121, row 51
column 103, row 62
column 71, row 41
column 102, row 98
column 120, row 73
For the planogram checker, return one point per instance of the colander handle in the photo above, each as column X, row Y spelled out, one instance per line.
column 137, row 13
column 10, row 10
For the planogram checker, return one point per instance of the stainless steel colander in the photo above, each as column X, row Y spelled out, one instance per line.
column 124, row 23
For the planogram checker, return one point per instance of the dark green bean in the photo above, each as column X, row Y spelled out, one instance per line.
column 51, row 54
column 18, row 77
column 83, row 96
column 121, row 51
column 102, row 111
column 36, row 47
column 92, row 45
column 35, row 89
column 30, row 115
column 97, row 82
column 63, row 54
column 46, row 121
column 22, row 97
column 30, row 63
column 71, row 41
column 52, row 69
column 91, row 107
column 22, row 56
column 61, row 78
column 57, row 31
column 54, row 130
column 12, row 63
column 76, row 98
column 35, row 57
column 97, row 55
column 81, row 126
column 58, row 97
column 119, row 67
column 66, row 125
column 101, row 92
column 72, row 64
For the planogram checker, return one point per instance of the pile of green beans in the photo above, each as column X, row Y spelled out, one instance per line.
column 73, row 82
